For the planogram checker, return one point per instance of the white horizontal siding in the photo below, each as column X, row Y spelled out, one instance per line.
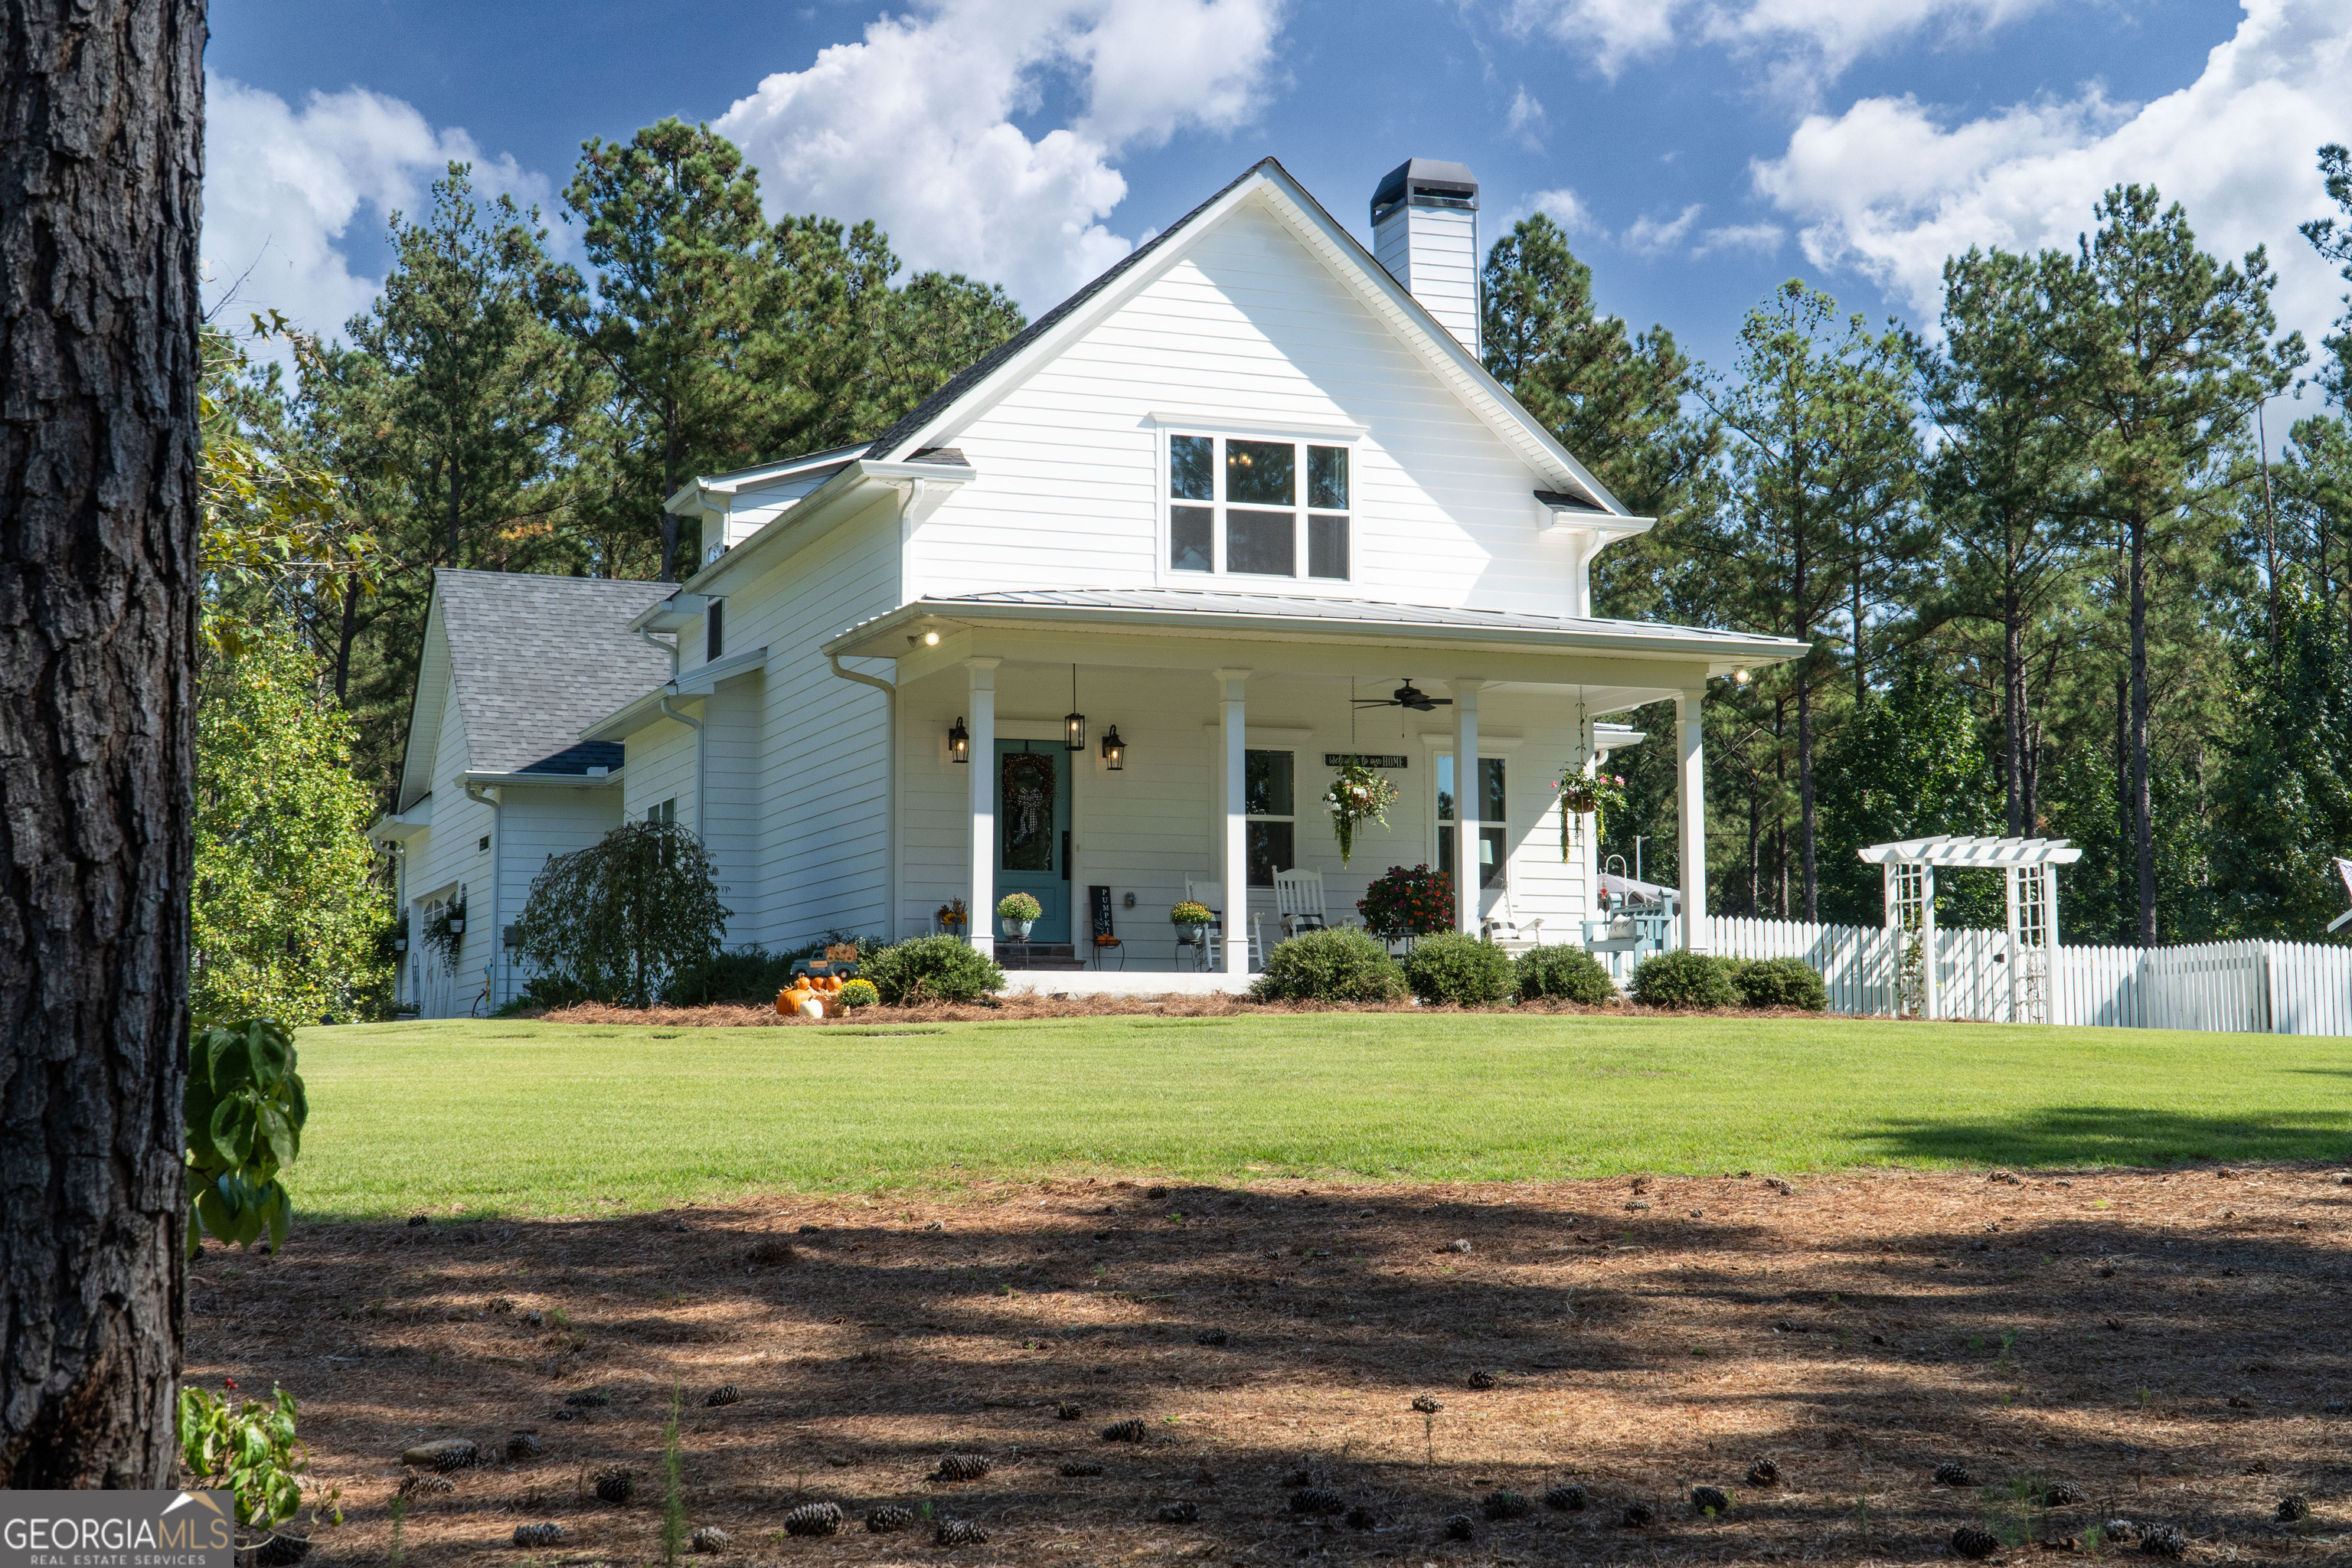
column 534, row 827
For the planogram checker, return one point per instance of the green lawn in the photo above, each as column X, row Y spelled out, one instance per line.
column 520, row 1118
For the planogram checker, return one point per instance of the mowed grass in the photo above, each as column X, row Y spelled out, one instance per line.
column 528, row 1119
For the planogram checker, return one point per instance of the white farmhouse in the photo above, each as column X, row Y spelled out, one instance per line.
column 1097, row 620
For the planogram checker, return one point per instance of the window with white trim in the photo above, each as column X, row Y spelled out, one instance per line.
column 1269, row 796
column 1494, row 830
column 1252, row 508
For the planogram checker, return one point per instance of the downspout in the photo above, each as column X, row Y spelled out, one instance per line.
column 670, row 648
column 889, row 790
column 701, row 836
column 490, row 798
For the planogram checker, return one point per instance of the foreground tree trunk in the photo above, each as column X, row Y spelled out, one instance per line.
column 102, row 105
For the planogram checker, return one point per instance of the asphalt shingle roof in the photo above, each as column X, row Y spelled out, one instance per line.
column 537, row 659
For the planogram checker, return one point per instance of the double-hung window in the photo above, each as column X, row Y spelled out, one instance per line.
column 1273, row 825
column 1493, row 836
column 1257, row 509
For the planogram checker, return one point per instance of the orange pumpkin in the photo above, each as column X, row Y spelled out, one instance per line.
column 788, row 1001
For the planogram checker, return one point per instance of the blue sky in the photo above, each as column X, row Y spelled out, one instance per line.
column 1700, row 151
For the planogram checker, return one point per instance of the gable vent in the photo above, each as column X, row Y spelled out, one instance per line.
column 1425, row 232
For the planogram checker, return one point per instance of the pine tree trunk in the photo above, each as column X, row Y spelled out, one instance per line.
column 102, row 105
column 1806, row 847
column 2142, row 817
column 2012, row 679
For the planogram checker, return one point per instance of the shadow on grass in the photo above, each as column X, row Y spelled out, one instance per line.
column 1858, row 1354
column 2079, row 1136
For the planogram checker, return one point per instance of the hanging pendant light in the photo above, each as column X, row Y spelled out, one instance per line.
column 960, row 742
column 1074, row 723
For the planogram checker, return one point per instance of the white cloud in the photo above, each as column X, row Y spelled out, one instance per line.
column 1801, row 43
column 282, row 189
column 1650, row 236
column 1886, row 190
column 914, row 125
column 1560, row 205
column 1527, row 120
column 1763, row 237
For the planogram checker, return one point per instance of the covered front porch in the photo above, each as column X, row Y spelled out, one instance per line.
column 1115, row 754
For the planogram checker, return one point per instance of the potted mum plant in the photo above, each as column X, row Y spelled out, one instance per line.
column 1191, row 920
column 1358, row 793
column 1019, row 912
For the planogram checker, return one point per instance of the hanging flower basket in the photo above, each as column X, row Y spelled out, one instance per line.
column 1358, row 793
column 1579, row 797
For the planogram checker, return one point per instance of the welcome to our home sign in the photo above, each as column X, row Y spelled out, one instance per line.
column 1341, row 759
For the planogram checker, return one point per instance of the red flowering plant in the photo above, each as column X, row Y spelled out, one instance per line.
column 1408, row 903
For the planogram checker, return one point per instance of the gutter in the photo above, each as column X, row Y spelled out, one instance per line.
column 890, row 787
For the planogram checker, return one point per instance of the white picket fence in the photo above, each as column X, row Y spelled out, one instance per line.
column 2259, row 987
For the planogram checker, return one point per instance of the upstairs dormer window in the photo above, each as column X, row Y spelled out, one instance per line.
column 1245, row 508
column 714, row 630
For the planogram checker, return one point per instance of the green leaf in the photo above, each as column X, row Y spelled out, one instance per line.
column 232, row 1130
column 215, row 1213
column 272, row 1054
column 231, row 1062
column 280, row 1212
column 274, row 1131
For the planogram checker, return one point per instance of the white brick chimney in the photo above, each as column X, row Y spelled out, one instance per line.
column 1425, row 232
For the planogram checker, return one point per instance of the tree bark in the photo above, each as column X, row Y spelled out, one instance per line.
column 2012, row 680
column 2142, row 812
column 102, row 105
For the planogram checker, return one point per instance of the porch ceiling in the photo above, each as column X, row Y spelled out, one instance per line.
column 1300, row 618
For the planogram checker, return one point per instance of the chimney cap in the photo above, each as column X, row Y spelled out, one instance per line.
column 1426, row 182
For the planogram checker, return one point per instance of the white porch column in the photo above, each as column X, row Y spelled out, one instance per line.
column 982, row 724
column 1466, row 804
column 1691, row 802
column 1236, row 804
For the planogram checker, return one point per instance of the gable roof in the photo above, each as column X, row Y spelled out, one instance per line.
column 534, row 660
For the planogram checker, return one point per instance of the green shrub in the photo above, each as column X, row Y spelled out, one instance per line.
column 1779, row 983
column 1568, row 973
column 1336, row 965
column 930, row 969
column 248, row 1449
column 1458, row 968
column 545, row 994
column 1683, row 979
column 246, row 1108
column 857, row 994
column 746, row 976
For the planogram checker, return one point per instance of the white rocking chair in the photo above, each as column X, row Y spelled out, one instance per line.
column 1256, row 947
column 1298, row 901
column 1211, row 896
column 1505, row 932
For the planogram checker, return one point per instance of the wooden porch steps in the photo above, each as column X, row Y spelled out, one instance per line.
column 1039, row 955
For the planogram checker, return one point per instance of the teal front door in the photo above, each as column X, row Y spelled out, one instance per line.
column 1033, row 831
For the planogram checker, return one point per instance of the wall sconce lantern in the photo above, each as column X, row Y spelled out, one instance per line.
column 1114, row 750
column 959, row 742
column 1074, row 723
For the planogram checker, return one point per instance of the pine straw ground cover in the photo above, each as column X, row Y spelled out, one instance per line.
column 2172, row 1342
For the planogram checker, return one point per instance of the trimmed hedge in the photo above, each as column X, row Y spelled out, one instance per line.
column 1458, row 968
column 1683, row 979
column 930, row 969
column 1780, row 983
column 1568, row 973
column 1340, row 964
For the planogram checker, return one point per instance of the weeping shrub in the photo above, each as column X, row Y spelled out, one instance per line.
column 624, row 914
column 1456, row 968
column 1564, row 973
column 1335, row 965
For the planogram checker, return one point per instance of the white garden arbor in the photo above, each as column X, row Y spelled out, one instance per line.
column 1910, row 870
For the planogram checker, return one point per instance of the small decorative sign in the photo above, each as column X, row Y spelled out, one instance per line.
column 1098, row 898
column 1340, row 759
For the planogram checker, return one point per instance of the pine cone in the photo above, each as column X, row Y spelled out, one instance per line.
column 1359, row 1518
column 421, row 1485
column 1178, row 1513
column 2063, row 1494
column 1426, row 1404
column 709, row 1537
column 1081, row 1467
column 1505, row 1504
column 1213, row 1337
column 546, row 1534
column 2292, row 1507
column 1130, row 1430
column 1315, row 1499
column 1459, row 1528
column 2121, row 1529
column 1482, row 1378
column 889, row 1518
column 1301, row 1476
column 2165, row 1541
column 523, row 1446
column 1638, row 1516
column 960, row 1467
column 726, row 1395
column 1763, row 1473
column 1067, row 1410
column 587, row 1401
column 814, row 1518
column 1975, row 1544
column 1706, row 1500
column 1951, row 1473
column 616, row 1486
column 1566, row 1499
column 959, row 1533
column 464, row 1456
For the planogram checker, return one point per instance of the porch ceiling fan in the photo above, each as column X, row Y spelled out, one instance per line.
column 1405, row 696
